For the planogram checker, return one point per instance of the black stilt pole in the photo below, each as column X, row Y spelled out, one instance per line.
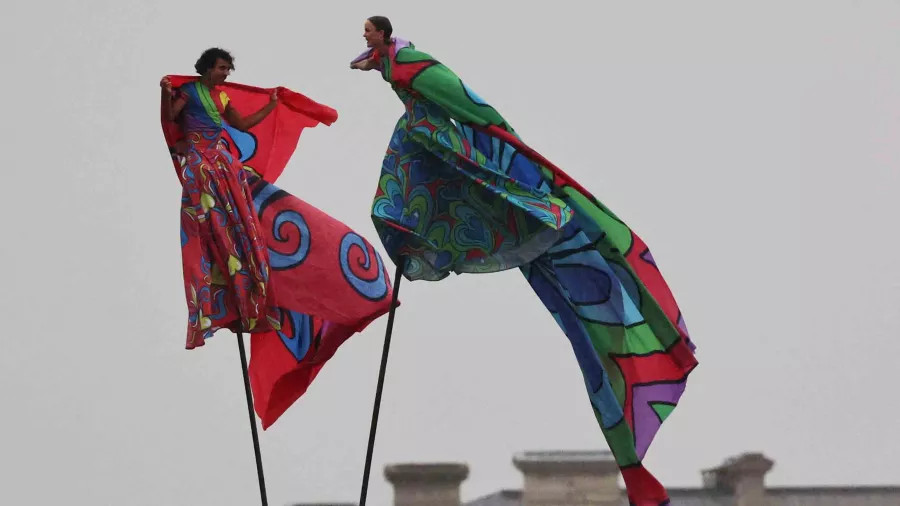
column 259, row 467
column 380, row 388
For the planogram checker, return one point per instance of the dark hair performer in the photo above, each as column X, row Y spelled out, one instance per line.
column 255, row 258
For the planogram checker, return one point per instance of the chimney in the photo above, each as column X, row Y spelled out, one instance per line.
column 743, row 476
column 569, row 478
column 426, row 484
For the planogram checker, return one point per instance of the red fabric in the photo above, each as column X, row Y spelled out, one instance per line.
column 277, row 135
column 342, row 282
column 223, row 248
column 325, row 281
column 643, row 489
column 278, row 379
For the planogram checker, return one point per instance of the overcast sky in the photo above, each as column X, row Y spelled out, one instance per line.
column 755, row 147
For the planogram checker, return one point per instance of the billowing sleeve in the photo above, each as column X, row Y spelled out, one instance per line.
column 422, row 73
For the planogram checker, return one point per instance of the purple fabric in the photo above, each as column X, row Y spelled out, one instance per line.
column 646, row 422
column 397, row 44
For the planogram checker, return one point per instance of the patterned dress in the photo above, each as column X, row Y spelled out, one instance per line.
column 461, row 192
column 226, row 271
column 444, row 204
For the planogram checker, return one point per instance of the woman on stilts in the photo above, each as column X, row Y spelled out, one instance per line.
column 461, row 192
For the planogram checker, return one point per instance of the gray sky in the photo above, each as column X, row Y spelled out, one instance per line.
column 753, row 146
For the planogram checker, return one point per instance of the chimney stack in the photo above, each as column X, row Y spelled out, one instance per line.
column 426, row 484
column 569, row 478
column 743, row 476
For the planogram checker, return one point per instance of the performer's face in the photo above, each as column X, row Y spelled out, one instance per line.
column 220, row 71
column 372, row 35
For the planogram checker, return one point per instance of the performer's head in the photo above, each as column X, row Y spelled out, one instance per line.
column 378, row 31
column 214, row 65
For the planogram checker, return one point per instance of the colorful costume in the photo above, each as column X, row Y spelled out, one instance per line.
column 256, row 258
column 225, row 262
column 461, row 192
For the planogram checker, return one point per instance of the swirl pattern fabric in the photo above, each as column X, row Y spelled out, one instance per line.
column 460, row 192
column 258, row 259
column 328, row 284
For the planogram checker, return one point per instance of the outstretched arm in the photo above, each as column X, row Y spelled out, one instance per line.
column 171, row 107
column 244, row 124
column 365, row 65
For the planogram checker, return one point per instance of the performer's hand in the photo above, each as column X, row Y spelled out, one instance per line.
column 273, row 98
column 166, row 84
column 363, row 65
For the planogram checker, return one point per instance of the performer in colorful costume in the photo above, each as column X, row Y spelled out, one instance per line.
column 461, row 192
column 255, row 258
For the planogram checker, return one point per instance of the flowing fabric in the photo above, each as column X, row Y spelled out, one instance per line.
column 460, row 192
column 256, row 258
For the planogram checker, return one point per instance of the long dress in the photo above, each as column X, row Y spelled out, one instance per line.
column 257, row 258
column 460, row 192
column 226, row 270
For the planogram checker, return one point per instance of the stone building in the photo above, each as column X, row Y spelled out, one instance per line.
column 567, row 478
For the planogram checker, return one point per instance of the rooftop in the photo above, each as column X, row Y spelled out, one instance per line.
column 592, row 474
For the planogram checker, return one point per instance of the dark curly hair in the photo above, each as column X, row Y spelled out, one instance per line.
column 383, row 24
column 208, row 59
